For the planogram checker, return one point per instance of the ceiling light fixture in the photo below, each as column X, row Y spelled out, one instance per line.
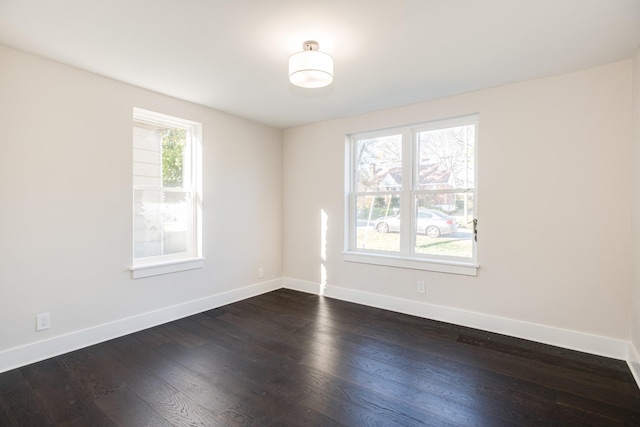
column 311, row 68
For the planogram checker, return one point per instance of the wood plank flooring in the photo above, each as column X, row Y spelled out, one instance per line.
column 292, row 359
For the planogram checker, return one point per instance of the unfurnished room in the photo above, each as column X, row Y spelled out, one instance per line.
column 320, row 213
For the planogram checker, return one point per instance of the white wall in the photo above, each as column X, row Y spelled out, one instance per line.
column 553, row 205
column 554, row 211
column 635, row 215
column 66, row 202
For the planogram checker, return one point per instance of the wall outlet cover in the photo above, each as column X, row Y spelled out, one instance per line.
column 43, row 321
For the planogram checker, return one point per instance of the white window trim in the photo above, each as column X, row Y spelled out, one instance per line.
column 441, row 264
column 165, row 264
column 166, row 267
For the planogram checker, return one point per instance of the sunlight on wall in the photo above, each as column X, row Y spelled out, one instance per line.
column 323, row 250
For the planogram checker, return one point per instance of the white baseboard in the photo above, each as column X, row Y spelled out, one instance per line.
column 619, row 349
column 20, row 356
column 634, row 362
column 303, row 286
column 594, row 344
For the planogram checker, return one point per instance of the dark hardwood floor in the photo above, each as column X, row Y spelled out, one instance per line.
column 292, row 359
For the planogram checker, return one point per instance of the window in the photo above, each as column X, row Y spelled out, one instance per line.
column 166, row 194
column 412, row 196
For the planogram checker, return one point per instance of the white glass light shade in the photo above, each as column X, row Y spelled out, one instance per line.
column 311, row 69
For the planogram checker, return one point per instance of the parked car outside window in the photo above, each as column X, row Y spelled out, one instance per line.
column 430, row 222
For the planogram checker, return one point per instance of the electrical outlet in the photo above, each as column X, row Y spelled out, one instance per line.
column 421, row 288
column 43, row 321
column 260, row 272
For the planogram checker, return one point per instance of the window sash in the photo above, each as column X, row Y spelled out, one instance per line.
column 409, row 191
column 187, row 229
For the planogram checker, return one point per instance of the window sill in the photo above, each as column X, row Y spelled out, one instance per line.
column 166, row 267
column 452, row 267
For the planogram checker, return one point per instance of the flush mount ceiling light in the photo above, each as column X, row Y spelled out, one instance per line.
column 311, row 68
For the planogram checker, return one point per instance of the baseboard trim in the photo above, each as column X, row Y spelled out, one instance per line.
column 634, row 362
column 34, row 352
column 303, row 286
column 588, row 343
column 609, row 347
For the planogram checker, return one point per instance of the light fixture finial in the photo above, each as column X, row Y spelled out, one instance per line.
column 311, row 45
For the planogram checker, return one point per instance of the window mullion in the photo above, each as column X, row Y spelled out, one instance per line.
column 352, row 214
column 407, row 208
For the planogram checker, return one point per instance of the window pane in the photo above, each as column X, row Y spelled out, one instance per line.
column 379, row 164
column 444, row 224
column 147, row 148
column 173, row 142
column 446, row 158
column 378, row 223
column 161, row 221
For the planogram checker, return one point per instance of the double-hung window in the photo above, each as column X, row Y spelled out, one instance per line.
column 411, row 196
column 166, row 194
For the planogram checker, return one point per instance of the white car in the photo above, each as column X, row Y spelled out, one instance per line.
column 430, row 222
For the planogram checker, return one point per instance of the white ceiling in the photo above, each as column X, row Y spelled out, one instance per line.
column 232, row 55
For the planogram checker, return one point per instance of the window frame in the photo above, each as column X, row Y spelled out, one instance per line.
column 406, row 257
column 192, row 162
